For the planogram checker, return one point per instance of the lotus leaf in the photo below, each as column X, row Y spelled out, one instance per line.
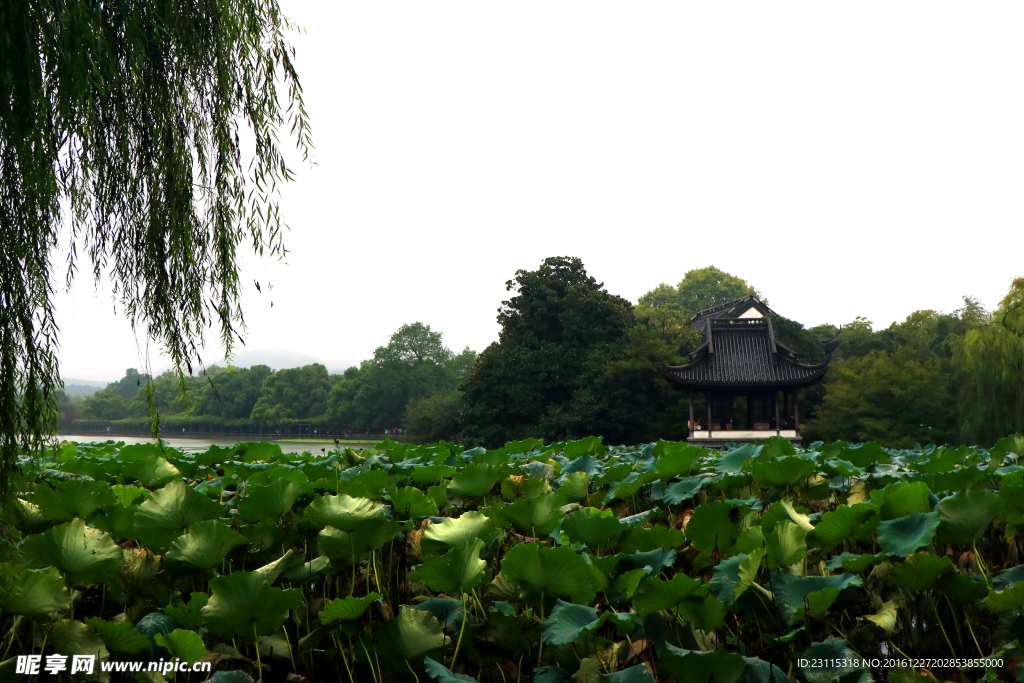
column 711, row 526
column 182, row 644
column 457, row 571
column 638, row 539
column 205, row 546
column 918, row 572
column 458, row 532
column 684, row 489
column 656, row 595
column 475, row 480
column 119, row 637
column 242, row 604
column 410, row 635
column 443, row 674
column 785, row 544
column 838, row 525
column 72, row 638
column 534, row 516
column 31, row 591
column 716, row 666
column 966, row 516
column 592, row 526
column 676, row 459
column 545, row 573
column 568, row 621
column 349, row 545
column 343, row 512
column 171, row 510
column 411, row 503
column 189, row 614
column 66, row 500
column 264, row 503
column 151, row 471
column 828, row 661
column 885, row 618
column 902, row 536
column 82, row 554
column 574, row 488
column 791, row 591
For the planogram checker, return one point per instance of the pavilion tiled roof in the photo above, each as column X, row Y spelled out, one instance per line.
column 743, row 352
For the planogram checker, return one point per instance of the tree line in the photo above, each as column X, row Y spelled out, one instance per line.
column 573, row 359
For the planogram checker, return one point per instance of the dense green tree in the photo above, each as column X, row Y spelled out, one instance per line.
column 413, row 366
column 989, row 364
column 559, row 332
column 129, row 385
column 894, row 398
column 127, row 120
column 230, row 393
column 293, row 394
column 699, row 289
column 105, row 404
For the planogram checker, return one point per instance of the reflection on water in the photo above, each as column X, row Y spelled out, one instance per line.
column 198, row 445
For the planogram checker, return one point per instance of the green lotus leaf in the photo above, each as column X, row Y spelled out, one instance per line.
column 1008, row 600
column 638, row 539
column 349, row 608
column 242, row 604
column 126, row 496
column 349, row 545
column 854, row 563
column 534, row 516
column 119, row 637
column 705, row 614
column 885, row 617
column 592, row 526
column 204, row 546
column 782, row 472
column 236, row 676
column 962, row 587
column 786, row 544
column 152, row 471
column 65, row 500
column 675, row 459
column 904, row 535
column 574, row 488
column 790, row 592
column 695, row 666
column 734, row 576
column 430, row 474
column 169, row 511
column 838, row 525
column 630, row 486
column 634, row 674
column 182, row 644
column 278, row 473
column 29, row 518
column 118, row 521
column 918, row 572
column 443, row 674
column 259, row 451
column 306, row 572
column 272, row 570
column 214, row 456
column 711, row 526
column 82, row 554
column 457, row 571
column 1008, row 577
column 828, row 661
column 411, row 635
column 781, row 510
column 31, row 591
column 542, row 572
column 474, row 480
column 684, row 489
column 411, row 503
column 628, row 581
column 864, row 455
column 265, row 503
column 655, row 595
column 584, row 446
column 651, row 561
column 902, row 499
column 447, row 610
column 343, row 512
column 568, row 621
column 458, row 532
column 967, row 515
column 189, row 614
column 72, row 638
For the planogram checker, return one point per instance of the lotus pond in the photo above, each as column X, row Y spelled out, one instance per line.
column 574, row 561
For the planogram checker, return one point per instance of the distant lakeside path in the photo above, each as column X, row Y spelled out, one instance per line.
column 198, row 443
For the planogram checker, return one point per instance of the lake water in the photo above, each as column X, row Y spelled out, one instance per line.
column 198, row 445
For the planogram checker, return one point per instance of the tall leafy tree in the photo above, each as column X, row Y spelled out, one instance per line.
column 293, row 394
column 989, row 363
column 231, row 392
column 133, row 115
column 699, row 289
column 560, row 330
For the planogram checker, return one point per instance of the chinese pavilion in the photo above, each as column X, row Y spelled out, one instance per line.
column 741, row 362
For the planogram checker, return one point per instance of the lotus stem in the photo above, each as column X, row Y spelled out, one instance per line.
column 981, row 566
column 369, row 661
column 951, row 650
column 407, row 664
column 973, row 637
column 465, row 617
column 344, row 658
column 540, row 652
column 259, row 663
column 287, row 640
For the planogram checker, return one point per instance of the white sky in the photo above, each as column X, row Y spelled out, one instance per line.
column 846, row 159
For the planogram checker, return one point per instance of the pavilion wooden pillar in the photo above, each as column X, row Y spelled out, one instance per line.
column 775, row 405
column 709, row 413
column 796, row 409
column 690, row 395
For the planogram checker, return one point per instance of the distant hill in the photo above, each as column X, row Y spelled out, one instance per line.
column 82, row 387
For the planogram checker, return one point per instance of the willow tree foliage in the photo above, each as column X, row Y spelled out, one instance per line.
column 122, row 127
column 989, row 361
